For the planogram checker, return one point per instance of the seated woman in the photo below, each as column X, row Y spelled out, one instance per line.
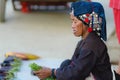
column 90, row 56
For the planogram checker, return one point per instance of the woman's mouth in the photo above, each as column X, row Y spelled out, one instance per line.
column 73, row 31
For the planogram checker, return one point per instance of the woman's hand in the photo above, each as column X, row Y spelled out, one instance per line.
column 43, row 73
column 118, row 68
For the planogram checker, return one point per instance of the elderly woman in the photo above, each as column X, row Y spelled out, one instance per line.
column 90, row 56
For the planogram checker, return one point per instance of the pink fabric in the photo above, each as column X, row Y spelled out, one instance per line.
column 117, row 22
column 115, row 4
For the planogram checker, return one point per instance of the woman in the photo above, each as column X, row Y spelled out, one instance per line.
column 90, row 56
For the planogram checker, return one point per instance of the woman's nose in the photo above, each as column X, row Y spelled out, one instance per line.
column 73, row 26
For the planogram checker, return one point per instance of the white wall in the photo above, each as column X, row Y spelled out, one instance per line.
column 109, row 16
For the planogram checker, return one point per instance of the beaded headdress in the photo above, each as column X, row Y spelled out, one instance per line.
column 92, row 15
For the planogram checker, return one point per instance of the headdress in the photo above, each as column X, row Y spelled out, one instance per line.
column 91, row 14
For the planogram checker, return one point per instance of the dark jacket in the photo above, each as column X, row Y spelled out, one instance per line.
column 90, row 56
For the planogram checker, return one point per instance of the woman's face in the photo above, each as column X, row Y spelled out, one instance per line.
column 77, row 26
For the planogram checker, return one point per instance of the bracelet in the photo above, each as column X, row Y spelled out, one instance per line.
column 53, row 74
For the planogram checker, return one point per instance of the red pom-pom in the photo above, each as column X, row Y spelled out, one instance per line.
column 90, row 29
column 87, row 15
column 86, row 20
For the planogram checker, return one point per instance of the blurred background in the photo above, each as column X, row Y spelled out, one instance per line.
column 46, row 31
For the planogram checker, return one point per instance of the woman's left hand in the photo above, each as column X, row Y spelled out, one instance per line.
column 43, row 73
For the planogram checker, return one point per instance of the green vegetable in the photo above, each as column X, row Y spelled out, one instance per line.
column 15, row 68
column 36, row 67
column 50, row 78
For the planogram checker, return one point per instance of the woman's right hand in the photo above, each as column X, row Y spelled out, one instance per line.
column 43, row 73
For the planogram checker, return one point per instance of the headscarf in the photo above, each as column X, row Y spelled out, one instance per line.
column 91, row 14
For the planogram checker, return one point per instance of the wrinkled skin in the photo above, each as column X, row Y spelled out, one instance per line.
column 43, row 73
column 78, row 28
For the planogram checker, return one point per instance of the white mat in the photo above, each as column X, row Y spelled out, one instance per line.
column 25, row 71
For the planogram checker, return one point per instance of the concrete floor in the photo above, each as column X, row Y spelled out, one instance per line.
column 45, row 33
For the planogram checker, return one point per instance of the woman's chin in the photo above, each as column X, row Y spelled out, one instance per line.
column 76, row 35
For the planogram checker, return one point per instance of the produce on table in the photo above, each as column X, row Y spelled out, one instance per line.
column 23, row 56
column 9, row 67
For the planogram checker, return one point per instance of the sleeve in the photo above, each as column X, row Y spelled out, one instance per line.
column 79, row 68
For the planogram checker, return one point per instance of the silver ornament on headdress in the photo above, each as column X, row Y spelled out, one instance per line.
column 94, row 21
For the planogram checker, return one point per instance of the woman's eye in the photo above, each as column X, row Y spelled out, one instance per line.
column 75, row 22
